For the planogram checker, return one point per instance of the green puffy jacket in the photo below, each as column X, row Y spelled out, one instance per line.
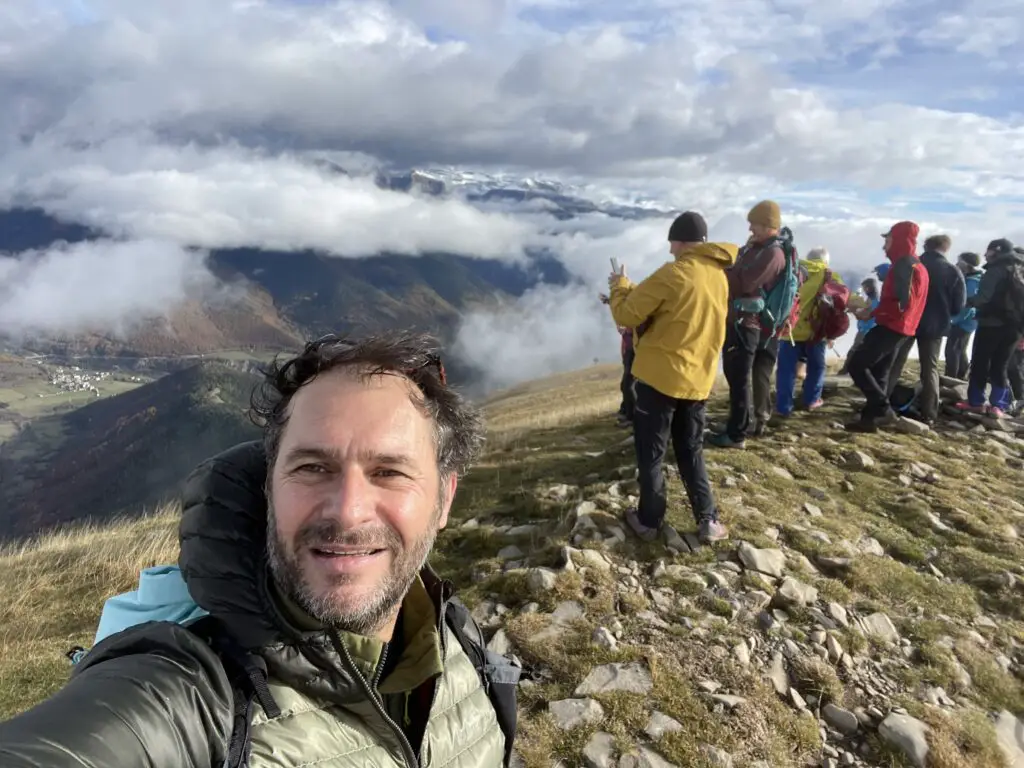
column 157, row 696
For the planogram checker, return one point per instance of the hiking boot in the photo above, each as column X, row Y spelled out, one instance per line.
column 711, row 531
column 759, row 429
column 623, row 422
column 888, row 418
column 722, row 440
column 863, row 426
column 641, row 530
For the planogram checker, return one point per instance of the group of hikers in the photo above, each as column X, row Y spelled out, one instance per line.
column 760, row 310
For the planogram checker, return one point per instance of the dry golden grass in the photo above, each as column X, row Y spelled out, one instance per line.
column 54, row 588
column 558, row 401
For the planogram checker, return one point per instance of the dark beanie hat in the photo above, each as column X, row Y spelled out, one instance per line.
column 1001, row 246
column 688, row 227
column 970, row 259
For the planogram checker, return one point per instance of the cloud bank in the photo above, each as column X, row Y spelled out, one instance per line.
column 102, row 286
column 173, row 125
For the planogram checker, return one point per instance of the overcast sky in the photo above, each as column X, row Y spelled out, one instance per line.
column 174, row 123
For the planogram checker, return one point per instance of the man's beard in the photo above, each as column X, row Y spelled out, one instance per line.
column 368, row 617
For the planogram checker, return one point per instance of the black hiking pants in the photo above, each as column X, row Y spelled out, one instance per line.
column 748, row 365
column 1016, row 374
column 870, row 366
column 957, row 362
column 928, row 356
column 657, row 418
column 990, row 361
column 626, row 385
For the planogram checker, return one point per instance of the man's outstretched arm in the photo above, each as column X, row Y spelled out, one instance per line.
column 155, row 696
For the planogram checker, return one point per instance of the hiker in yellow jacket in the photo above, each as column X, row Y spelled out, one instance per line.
column 680, row 313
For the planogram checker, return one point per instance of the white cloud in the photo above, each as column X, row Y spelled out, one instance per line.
column 103, row 286
column 194, row 123
column 231, row 197
column 606, row 98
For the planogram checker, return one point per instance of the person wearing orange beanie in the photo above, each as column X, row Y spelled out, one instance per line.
column 750, row 352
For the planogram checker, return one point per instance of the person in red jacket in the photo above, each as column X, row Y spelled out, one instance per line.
column 904, row 295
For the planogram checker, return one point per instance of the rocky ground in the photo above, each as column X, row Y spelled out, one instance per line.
column 867, row 611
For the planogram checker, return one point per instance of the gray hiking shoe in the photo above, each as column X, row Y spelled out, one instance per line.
column 641, row 530
column 723, row 440
column 711, row 531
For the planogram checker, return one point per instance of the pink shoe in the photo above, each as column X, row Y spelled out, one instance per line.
column 966, row 407
column 995, row 412
column 815, row 405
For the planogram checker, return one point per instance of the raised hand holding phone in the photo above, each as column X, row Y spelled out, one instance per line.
column 617, row 272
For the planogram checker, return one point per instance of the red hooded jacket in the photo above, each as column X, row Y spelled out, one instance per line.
column 905, row 290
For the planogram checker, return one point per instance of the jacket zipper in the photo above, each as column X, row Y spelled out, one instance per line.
column 437, row 684
column 370, row 689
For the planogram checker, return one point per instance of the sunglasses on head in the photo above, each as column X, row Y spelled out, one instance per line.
column 433, row 361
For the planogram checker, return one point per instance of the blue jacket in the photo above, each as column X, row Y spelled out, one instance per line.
column 162, row 596
column 947, row 296
column 965, row 320
column 863, row 326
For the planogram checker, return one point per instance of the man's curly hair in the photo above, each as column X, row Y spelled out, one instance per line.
column 458, row 430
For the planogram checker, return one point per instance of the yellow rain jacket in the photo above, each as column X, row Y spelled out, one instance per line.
column 814, row 278
column 687, row 301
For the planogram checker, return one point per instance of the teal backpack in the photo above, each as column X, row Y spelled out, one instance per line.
column 781, row 302
column 778, row 308
column 162, row 595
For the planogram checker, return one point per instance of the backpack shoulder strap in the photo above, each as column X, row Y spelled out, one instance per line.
column 498, row 675
column 248, row 675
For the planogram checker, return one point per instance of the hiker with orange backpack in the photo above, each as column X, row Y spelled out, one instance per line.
column 763, row 286
column 823, row 318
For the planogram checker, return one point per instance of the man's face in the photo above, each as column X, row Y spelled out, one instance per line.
column 355, row 499
column 887, row 243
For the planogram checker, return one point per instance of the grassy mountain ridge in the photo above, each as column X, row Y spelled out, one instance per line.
column 125, row 452
column 867, row 576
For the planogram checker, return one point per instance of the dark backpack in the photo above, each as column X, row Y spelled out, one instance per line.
column 1009, row 303
column 248, row 675
column 828, row 315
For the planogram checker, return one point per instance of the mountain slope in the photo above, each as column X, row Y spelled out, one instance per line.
column 125, row 452
column 856, row 601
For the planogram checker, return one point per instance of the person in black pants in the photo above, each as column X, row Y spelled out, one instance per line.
column 682, row 308
column 1015, row 372
column 898, row 314
column 750, row 352
column 626, row 385
column 996, row 339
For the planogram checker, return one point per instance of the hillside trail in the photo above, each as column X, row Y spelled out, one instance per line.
column 867, row 610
